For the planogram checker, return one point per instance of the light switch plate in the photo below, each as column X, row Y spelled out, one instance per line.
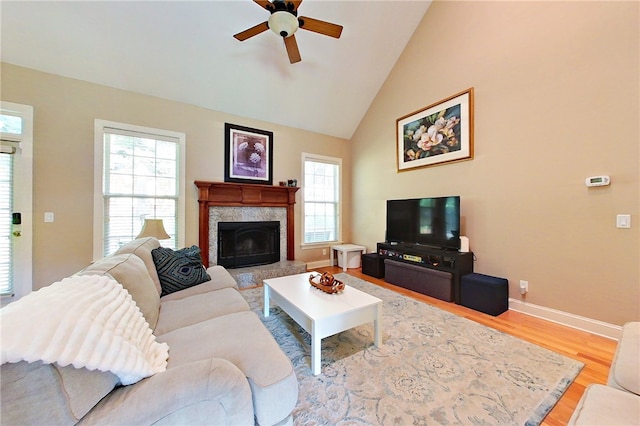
column 48, row 216
column 623, row 221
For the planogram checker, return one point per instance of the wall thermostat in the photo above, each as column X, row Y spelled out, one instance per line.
column 597, row 181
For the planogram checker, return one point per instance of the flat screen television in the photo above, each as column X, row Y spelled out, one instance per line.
column 431, row 221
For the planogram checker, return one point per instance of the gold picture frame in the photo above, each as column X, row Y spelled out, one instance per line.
column 438, row 134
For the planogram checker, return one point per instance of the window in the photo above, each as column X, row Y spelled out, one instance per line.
column 6, row 209
column 139, row 175
column 16, row 199
column 321, row 198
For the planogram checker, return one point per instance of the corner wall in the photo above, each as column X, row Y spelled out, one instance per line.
column 64, row 114
column 556, row 100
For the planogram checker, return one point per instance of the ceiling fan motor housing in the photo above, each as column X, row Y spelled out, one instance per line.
column 280, row 5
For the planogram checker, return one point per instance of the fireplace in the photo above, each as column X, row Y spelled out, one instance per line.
column 229, row 195
column 243, row 244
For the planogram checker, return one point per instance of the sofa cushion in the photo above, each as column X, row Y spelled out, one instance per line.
column 207, row 392
column 130, row 271
column 179, row 313
column 625, row 368
column 242, row 339
column 37, row 393
column 142, row 248
column 604, row 405
column 179, row 269
column 220, row 278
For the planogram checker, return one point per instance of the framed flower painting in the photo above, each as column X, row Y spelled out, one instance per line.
column 248, row 155
column 440, row 133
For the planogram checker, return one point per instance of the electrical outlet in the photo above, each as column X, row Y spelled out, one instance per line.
column 324, row 252
column 524, row 287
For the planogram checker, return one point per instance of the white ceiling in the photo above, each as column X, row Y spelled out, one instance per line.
column 185, row 51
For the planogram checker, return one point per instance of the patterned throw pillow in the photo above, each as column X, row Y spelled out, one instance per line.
column 179, row 269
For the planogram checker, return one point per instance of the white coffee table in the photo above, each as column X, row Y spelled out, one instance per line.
column 322, row 314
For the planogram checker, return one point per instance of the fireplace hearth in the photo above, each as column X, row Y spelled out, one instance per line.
column 242, row 244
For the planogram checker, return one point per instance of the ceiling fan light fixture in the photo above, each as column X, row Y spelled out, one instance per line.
column 283, row 23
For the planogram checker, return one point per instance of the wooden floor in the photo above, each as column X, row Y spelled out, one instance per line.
column 594, row 351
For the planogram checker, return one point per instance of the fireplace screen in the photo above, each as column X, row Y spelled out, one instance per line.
column 243, row 244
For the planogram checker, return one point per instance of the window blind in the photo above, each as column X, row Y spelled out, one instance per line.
column 321, row 199
column 141, row 181
column 10, row 135
column 6, row 210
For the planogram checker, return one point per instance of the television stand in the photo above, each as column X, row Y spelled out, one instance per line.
column 453, row 262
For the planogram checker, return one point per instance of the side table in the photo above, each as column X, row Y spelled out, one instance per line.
column 343, row 250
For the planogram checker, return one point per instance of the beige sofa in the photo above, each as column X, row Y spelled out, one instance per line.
column 617, row 403
column 224, row 366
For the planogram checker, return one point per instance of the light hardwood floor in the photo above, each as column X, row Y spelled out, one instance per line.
column 594, row 351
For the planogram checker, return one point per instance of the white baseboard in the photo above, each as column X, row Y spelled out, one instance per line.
column 589, row 325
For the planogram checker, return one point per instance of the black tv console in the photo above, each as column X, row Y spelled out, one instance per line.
column 451, row 261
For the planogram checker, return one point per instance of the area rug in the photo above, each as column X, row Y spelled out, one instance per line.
column 433, row 368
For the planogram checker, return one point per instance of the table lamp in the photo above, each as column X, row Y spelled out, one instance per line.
column 153, row 228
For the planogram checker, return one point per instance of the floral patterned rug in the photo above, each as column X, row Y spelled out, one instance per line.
column 434, row 368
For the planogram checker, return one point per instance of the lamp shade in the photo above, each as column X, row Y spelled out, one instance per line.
column 283, row 23
column 153, row 228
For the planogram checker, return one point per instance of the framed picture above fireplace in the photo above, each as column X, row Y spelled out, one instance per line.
column 248, row 155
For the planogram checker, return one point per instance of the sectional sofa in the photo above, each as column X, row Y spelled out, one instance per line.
column 617, row 402
column 223, row 366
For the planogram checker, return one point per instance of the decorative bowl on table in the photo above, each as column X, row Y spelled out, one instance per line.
column 326, row 282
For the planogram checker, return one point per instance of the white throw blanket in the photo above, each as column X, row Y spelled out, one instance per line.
column 86, row 320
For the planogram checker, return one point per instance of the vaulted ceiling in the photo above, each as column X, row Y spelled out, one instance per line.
column 185, row 51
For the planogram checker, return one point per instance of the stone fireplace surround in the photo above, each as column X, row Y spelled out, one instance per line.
column 227, row 202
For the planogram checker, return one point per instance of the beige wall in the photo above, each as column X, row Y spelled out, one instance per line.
column 556, row 101
column 64, row 114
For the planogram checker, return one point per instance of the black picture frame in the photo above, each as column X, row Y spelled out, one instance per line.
column 248, row 155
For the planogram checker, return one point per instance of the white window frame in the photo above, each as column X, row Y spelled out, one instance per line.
column 330, row 160
column 98, row 204
column 23, row 200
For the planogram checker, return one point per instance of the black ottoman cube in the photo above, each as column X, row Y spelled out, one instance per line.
column 373, row 265
column 484, row 293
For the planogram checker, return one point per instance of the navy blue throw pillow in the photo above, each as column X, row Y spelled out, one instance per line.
column 179, row 269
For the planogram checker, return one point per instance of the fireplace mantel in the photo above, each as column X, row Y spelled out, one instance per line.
column 238, row 195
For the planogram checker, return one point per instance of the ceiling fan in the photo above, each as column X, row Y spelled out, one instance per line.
column 284, row 21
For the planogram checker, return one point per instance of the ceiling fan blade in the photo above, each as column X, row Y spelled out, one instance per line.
column 296, row 4
column 263, row 3
column 292, row 49
column 321, row 27
column 242, row 36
